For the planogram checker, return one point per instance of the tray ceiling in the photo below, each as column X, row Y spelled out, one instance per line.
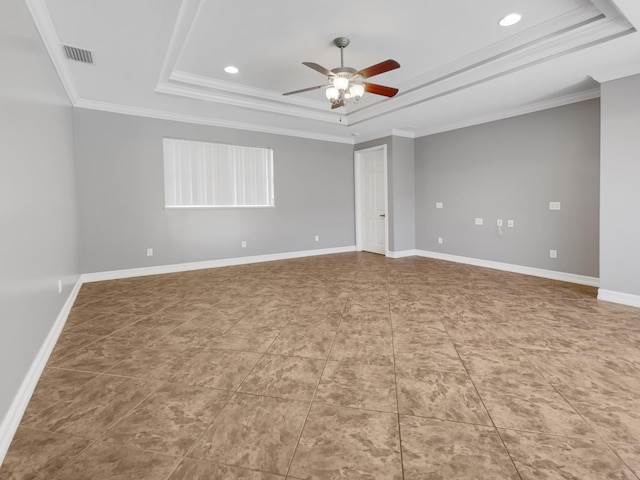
column 165, row 58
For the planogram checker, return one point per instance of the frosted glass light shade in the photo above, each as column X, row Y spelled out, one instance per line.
column 332, row 93
column 341, row 83
column 356, row 91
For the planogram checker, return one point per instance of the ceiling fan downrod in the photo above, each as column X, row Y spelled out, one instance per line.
column 345, row 83
column 341, row 43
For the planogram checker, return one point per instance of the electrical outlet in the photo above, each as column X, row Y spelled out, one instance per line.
column 479, row 221
column 149, row 252
column 317, row 238
column 59, row 286
column 243, row 244
column 499, row 222
column 553, row 254
column 440, row 241
column 510, row 223
column 438, row 204
column 554, row 205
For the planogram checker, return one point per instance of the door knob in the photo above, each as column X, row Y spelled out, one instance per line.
column 383, row 215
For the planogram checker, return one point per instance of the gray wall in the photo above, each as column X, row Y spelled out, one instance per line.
column 400, row 190
column 512, row 169
column 620, row 186
column 403, row 193
column 121, row 196
column 37, row 198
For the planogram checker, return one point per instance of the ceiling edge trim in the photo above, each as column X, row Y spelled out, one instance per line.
column 238, row 89
column 177, row 90
column 503, row 73
column 514, row 112
column 182, row 29
column 513, row 50
column 227, row 92
column 614, row 73
column 52, row 44
column 176, row 117
column 402, row 133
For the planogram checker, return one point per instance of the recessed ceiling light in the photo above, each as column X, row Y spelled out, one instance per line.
column 231, row 69
column 510, row 19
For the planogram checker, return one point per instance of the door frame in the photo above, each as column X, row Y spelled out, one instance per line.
column 357, row 160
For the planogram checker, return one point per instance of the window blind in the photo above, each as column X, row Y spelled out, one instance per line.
column 203, row 174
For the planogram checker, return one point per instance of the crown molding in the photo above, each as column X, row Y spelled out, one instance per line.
column 189, row 10
column 588, row 29
column 52, row 43
column 617, row 72
column 238, row 89
column 513, row 112
column 212, row 122
column 594, row 23
column 541, row 41
column 403, row 133
column 252, row 103
column 511, row 47
column 493, row 117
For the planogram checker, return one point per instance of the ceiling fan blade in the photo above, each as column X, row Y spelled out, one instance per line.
column 319, row 68
column 338, row 104
column 304, row 90
column 379, row 68
column 380, row 89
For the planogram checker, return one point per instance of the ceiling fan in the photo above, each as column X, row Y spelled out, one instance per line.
column 345, row 83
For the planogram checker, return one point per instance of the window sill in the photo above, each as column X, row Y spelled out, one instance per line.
column 215, row 207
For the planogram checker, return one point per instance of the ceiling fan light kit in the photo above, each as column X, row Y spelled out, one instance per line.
column 345, row 83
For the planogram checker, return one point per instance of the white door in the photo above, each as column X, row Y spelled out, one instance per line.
column 371, row 164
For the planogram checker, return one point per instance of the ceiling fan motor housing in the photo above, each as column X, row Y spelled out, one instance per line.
column 344, row 72
column 346, row 83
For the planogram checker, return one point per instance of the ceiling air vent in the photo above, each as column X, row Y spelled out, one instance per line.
column 78, row 54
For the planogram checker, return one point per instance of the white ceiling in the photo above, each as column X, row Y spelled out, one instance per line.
column 165, row 59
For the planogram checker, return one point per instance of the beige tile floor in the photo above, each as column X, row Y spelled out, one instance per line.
column 347, row 366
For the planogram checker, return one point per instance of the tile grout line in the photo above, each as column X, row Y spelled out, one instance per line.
column 134, row 406
column 113, row 334
column 204, row 430
column 504, row 445
column 596, row 432
column 414, row 288
column 326, row 361
column 554, row 387
column 395, row 378
column 93, row 441
column 233, row 393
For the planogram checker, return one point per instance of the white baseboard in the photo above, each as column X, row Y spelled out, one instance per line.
column 508, row 267
column 11, row 421
column 619, row 297
column 225, row 262
column 402, row 253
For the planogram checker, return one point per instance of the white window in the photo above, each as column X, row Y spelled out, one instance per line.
column 202, row 174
